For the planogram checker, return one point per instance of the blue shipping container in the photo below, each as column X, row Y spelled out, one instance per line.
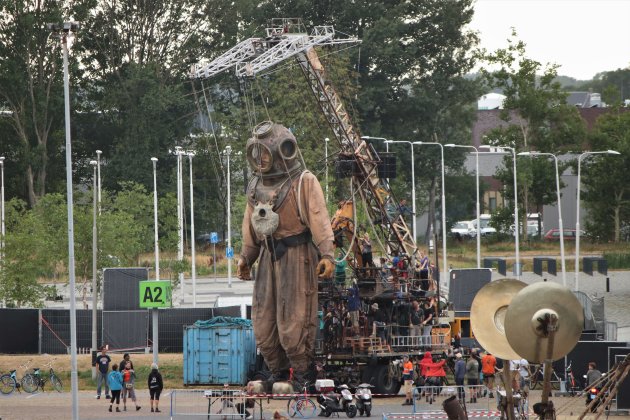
column 219, row 351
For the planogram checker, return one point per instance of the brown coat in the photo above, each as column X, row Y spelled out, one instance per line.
column 284, row 309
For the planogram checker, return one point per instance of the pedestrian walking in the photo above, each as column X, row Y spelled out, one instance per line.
column 155, row 385
column 115, row 380
column 102, row 364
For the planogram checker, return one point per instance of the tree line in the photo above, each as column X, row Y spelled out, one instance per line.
column 133, row 99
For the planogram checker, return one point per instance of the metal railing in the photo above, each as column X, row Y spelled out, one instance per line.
column 212, row 404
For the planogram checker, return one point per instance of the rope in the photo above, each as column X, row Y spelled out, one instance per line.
column 52, row 331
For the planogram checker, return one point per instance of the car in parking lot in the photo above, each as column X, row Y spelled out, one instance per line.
column 484, row 226
column 554, row 234
column 463, row 230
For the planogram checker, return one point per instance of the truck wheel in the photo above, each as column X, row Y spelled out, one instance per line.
column 383, row 384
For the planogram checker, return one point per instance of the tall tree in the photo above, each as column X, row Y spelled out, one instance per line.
column 31, row 89
column 606, row 196
column 538, row 119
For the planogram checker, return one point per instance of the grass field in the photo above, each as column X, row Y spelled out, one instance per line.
column 171, row 367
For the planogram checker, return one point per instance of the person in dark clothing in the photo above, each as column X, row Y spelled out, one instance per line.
column 379, row 323
column 155, row 385
column 460, row 374
column 102, row 363
column 593, row 375
column 354, row 305
column 126, row 360
column 366, row 251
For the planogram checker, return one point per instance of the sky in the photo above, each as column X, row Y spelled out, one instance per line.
column 584, row 36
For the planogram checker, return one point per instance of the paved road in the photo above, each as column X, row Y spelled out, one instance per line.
column 49, row 406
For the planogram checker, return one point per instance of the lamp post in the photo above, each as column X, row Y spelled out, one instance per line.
column 326, row 140
column 180, row 216
column 577, row 210
column 517, row 266
column 227, row 151
column 478, row 205
column 560, row 225
column 192, row 233
column 445, row 259
column 98, row 175
column 94, row 259
column 66, row 32
column 413, row 186
column 154, row 311
column 2, row 231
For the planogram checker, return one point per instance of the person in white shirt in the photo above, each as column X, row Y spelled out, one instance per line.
column 523, row 371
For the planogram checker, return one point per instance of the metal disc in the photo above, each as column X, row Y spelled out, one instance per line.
column 522, row 321
column 487, row 316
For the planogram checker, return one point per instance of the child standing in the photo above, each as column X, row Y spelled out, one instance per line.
column 155, row 384
column 115, row 380
column 129, row 379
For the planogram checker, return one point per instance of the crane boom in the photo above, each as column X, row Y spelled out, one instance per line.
column 288, row 38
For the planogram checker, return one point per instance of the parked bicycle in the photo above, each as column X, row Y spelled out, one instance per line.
column 301, row 405
column 521, row 405
column 573, row 385
column 9, row 382
column 537, row 378
column 31, row 382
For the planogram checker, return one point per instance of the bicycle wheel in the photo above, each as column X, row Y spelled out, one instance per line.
column 56, row 383
column 7, row 384
column 301, row 407
column 29, row 383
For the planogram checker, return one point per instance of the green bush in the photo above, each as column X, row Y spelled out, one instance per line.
column 617, row 260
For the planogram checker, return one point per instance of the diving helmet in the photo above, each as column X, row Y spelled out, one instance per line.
column 272, row 150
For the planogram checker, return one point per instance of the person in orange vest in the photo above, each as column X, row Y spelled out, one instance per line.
column 407, row 376
column 488, row 368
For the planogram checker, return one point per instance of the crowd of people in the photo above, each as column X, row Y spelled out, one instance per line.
column 351, row 317
column 121, row 382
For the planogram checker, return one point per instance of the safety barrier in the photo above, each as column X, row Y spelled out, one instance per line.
column 215, row 403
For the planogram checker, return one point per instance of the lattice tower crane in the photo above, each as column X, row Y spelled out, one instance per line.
column 287, row 38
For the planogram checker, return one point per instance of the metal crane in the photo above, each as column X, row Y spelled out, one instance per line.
column 286, row 38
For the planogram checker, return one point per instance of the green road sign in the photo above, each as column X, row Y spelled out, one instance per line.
column 155, row 294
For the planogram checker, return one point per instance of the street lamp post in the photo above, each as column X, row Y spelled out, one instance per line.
column 94, row 260
column 192, row 234
column 326, row 140
column 154, row 311
column 228, row 151
column 517, row 264
column 560, row 225
column 478, row 205
column 413, row 187
column 577, row 210
column 445, row 259
column 180, row 216
column 98, row 176
column 66, row 33
column 2, row 231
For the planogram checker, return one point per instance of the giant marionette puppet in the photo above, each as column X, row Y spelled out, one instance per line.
column 287, row 229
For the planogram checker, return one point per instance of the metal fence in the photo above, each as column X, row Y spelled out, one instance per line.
column 48, row 330
column 215, row 403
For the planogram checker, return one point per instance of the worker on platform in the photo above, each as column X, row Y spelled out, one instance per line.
column 286, row 228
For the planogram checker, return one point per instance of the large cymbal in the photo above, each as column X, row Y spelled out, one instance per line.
column 487, row 316
column 523, row 321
